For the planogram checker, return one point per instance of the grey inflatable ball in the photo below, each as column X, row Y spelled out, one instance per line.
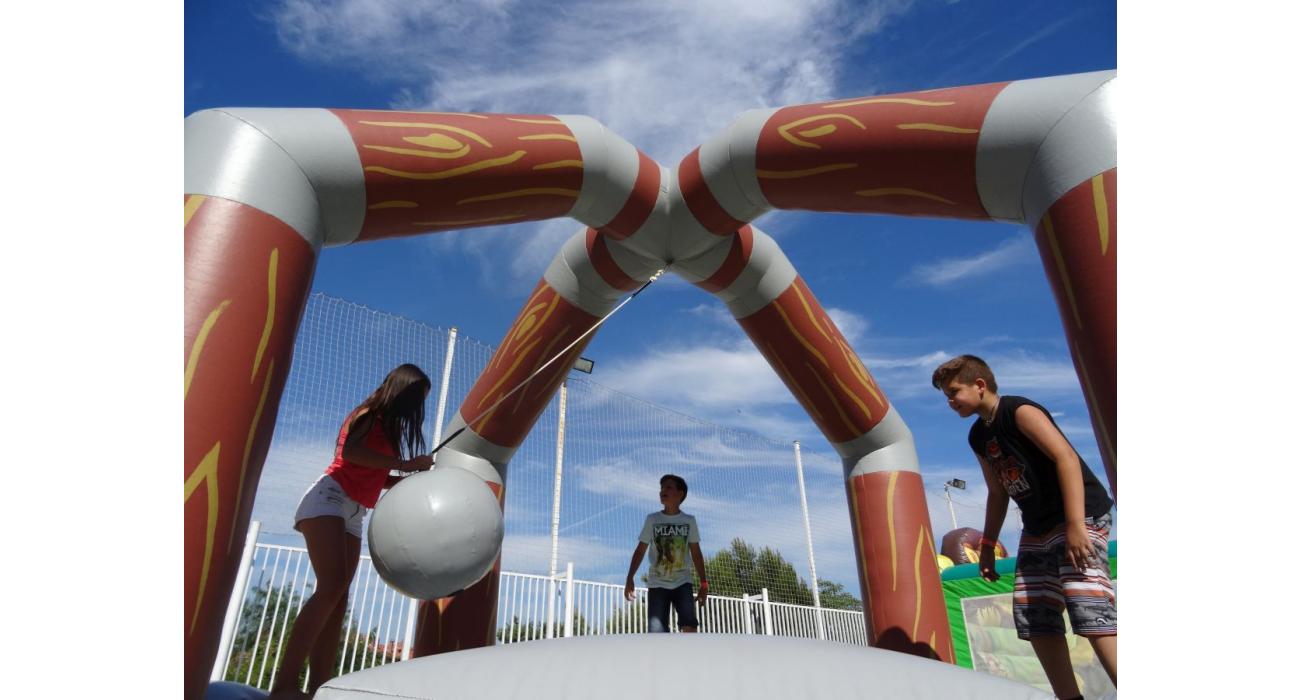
column 436, row 533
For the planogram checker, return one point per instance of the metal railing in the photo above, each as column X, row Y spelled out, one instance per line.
column 274, row 581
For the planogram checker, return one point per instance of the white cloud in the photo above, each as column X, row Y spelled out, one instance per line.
column 292, row 465
column 1017, row 372
column 511, row 259
column 1018, row 250
column 791, row 424
column 731, row 384
column 905, row 376
column 928, row 360
column 1076, row 430
column 1021, row 372
column 715, row 313
column 532, row 554
column 706, row 377
column 852, row 326
column 735, row 386
column 663, row 74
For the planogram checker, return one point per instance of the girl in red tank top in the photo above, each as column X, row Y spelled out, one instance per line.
column 372, row 442
column 362, row 484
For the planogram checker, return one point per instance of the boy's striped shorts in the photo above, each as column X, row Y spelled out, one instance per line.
column 1047, row 584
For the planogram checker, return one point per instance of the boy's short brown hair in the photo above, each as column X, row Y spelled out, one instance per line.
column 965, row 369
column 679, row 482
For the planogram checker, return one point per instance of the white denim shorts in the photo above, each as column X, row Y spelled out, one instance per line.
column 326, row 497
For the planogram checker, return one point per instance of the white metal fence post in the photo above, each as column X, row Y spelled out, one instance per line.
column 413, row 611
column 236, row 602
column 550, row 606
column 767, row 614
column 555, row 510
column 374, row 607
column 807, row 531
column 749, row 614
column 568, row 601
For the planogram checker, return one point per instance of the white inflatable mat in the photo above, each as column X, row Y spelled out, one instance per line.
column 645, row 666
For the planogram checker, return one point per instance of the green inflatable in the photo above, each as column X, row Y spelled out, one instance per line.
column 984, row 633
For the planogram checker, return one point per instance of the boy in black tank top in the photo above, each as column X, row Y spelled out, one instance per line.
column 1062, row 561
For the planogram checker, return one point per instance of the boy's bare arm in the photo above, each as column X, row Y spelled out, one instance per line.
column 698, row 557
column 1069, row 470
column 637, row 554
column 995, row 513
column 995, row 508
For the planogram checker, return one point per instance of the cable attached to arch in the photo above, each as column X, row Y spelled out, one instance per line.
column 548, row 363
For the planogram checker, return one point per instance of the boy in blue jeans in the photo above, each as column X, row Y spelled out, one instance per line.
column 668, row 534
column 1062, row 562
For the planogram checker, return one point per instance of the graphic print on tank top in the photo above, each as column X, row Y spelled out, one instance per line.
column 1009, row 469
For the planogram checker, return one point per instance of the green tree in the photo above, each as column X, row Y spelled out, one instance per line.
column 523, row 631
column 255, row 650
column 265, row 622
column 626, row 617
column 741, row 569
column 835, row 597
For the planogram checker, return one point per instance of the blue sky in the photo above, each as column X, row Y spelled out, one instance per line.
column 1207, row 278
column 1204, row 341
column 665, row 76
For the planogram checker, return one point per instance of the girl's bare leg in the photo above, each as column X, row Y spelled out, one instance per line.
column 325, row 651
column 327, row 547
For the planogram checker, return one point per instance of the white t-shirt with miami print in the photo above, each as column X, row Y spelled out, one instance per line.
column 668, row 537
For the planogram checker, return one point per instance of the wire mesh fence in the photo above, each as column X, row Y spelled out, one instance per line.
column 743, row 488
column 279, row 582
column 529, row 607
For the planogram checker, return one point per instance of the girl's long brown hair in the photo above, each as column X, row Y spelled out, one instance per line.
column 399, row 405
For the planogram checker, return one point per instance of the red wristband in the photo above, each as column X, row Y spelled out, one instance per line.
column 986, row 542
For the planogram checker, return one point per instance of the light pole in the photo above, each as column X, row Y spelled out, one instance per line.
column 582, row 365
column 956, row 484
column 807, row 531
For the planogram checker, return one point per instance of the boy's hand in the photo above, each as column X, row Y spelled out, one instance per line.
column 988, row 566
column 1078, row 546
column 629, row 591
column 703, row 595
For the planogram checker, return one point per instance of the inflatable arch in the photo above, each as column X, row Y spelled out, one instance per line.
column 266, row 189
